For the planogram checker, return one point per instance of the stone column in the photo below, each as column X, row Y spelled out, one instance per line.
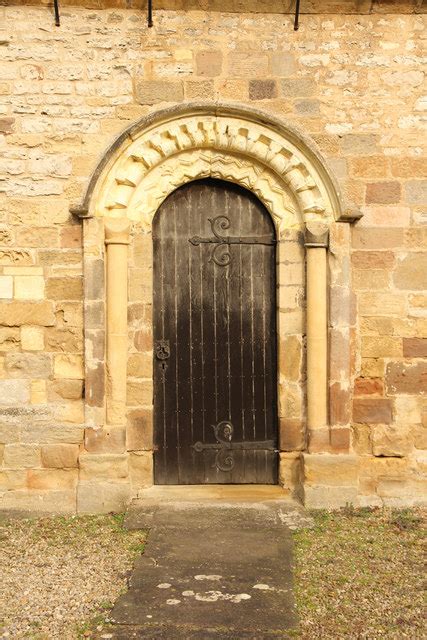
column 117, row 239
column 316, row 243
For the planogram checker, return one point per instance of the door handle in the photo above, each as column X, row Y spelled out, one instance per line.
column 162, row 349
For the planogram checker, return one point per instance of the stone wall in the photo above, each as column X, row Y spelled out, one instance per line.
column 351, row 81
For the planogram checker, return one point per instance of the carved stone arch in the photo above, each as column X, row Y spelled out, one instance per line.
column 287, row 173
column 219, row 136
column 195, row 164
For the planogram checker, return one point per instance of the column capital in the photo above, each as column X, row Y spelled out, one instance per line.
column 117, row 230
column 316, row 235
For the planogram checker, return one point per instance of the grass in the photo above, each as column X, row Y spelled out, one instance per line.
column 358, row 574
column 68, row 530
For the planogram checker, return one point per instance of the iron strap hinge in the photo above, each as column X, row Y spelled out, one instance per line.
column 221, row 224
column 222, row 257
column 264, row 240
column 224, row 460
column 254, row 445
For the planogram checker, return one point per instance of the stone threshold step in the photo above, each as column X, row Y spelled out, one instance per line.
column 216, row 492
column 269, row 505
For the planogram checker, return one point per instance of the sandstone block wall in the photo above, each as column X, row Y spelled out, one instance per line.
column 351, row 80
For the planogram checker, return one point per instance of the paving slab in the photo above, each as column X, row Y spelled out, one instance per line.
column 213, row 567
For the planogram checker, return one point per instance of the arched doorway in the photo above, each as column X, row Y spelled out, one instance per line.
column 214, row 332
column 268, row 158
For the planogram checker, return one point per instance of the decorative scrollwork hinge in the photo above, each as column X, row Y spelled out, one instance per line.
column 221, row 254
column 224, row 460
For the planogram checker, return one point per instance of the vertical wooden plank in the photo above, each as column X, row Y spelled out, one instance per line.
column 209, row 332
column 182, row 204
column 248, row 335
column 170, row 295
column 198, row 385
column 271, row 350
column 259, row 289
column 158, row 329
column 236, row 330
column 222, row 311
column 165, row 457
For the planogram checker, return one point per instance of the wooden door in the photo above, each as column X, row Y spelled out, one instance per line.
column 215, row 416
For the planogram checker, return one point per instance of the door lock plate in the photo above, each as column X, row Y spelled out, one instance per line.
column 162, row 349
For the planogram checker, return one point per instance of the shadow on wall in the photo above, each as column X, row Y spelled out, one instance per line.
column 245, row 6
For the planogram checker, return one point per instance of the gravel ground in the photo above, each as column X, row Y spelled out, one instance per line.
column 359, row 575
column 57, row 573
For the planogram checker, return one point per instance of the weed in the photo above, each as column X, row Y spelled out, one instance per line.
column 118, row 519
column 87, row 629
column 137, row 548
column 405, row 519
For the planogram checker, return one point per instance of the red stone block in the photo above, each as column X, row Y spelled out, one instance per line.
column 319, row 440
column 105, row 440
column 339, row 404
column 340, row 440
column 7, row 125
column 373, row 410
column 406, row 378
column 383, row 192
column 292, row 434
column 415, row 347
column 368, row 387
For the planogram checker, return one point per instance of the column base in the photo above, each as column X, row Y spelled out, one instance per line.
column 329, row 481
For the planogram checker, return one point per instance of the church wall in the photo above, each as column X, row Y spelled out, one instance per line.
column 353, row 82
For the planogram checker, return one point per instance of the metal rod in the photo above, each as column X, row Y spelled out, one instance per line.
column 150, row 13
column 56, row 9
column 296, row 23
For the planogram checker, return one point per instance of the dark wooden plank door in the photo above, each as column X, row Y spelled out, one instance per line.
column 215, row 416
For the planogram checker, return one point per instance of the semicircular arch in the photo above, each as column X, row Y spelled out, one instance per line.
column 174, row 146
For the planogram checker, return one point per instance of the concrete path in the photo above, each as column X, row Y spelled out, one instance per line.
column 217, row 564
